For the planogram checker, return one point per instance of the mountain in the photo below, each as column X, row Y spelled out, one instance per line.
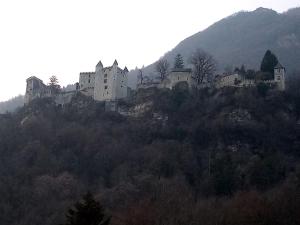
column 12, row 104
column 244, row 37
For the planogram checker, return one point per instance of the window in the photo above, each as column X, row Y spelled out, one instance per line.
column 278, row 77
column 105, row 75
column 105, row 87
column 105, row 81
column 89, row 81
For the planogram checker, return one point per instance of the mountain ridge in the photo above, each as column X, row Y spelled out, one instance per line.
column 243, row 38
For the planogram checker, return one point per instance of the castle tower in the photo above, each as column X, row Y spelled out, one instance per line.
column 110, row 82
column 35, row 88
column 99, row 82
column 279, row 76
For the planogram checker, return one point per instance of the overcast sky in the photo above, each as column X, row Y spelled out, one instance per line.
column 64, row 37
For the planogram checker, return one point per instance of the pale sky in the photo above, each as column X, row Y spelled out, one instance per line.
column 66, row 37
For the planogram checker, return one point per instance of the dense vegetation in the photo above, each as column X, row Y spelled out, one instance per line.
column 226, row 156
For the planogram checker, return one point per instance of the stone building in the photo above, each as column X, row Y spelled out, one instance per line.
column 106, row 83
column 87, row 83
column 35, row 88
column 178, row 76
column 279, row 76
column 237, row 80
column 110, row 82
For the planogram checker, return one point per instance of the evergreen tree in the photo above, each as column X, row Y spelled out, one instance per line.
column 269, row 62
column 243, row 70
column 178, row 64
column 87, row 212
column 54, row 84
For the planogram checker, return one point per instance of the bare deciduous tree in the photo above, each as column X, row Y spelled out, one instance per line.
column 140, row 76
column 162, row 67
column 203, row 66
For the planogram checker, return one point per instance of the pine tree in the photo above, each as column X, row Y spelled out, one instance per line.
column 87, row 212
column 243, row 70
column 54, row 84
column 178, row 63
column 269, row 62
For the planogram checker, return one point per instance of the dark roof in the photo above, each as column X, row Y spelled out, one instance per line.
column 125, row 69
column 33, row 78
column 278, row 66
column 100, row 64
column 115, row 62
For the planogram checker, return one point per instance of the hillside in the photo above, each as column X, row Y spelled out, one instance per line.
column 173, row 157
column 12, row 104
column 244, row 37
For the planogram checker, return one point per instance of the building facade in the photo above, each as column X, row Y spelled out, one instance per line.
column 279, row 76
column 35, row 88
column 237, row 80
column 106, row 83
column 178, row 76
column 87, row 83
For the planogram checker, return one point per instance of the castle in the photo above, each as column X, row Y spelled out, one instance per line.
column 237, row 80
column 184, row 76
column 110, row 83
column 105, row 84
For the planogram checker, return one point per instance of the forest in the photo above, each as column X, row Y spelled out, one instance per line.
column 228, row 156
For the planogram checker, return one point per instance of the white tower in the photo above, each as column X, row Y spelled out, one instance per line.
column 98, row 82
column 110, row 82
column 279, row 76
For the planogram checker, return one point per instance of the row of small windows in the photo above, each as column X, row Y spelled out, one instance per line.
column 178, row 78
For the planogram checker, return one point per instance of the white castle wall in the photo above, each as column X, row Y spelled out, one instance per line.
column 87, row 83
column 178, row 76
column 279, row 77
column 229, row 81
column 110, row 83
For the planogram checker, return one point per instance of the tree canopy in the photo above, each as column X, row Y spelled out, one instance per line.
column 268, row 63
column 178, row 62
column 162, row 67
column 87, row 212
column 203, row 66
column 54, row 84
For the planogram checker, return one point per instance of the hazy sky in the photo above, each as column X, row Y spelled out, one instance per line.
column 64, row 37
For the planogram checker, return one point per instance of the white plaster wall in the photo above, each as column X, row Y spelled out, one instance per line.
column 100, row 93
column 121, row 84
column 279, row 77
column 180, row 76
column 228, row 81
column 87, row 83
